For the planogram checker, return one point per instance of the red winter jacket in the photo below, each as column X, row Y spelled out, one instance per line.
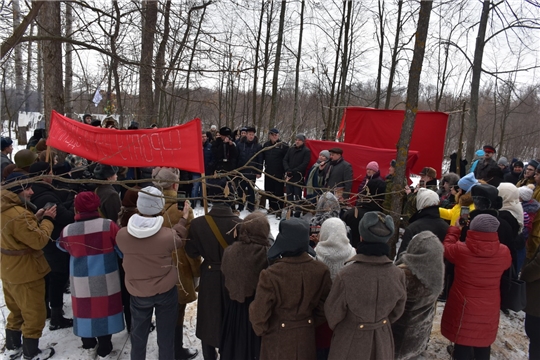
column 471, row 314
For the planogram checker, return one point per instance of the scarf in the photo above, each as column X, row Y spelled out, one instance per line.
column 330, row 168
column 143, row 227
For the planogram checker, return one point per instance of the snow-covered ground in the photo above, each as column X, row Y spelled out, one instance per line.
column 511, row 342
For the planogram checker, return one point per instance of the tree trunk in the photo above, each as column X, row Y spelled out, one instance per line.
column 51, row 50
column 298, row 60
column 411, row 108
column 68, row 82
column 338, row 113
column 13, row 40
column 256, row 66
column 146, row 99
column 472, row 127
column 275, row 99
column 188, row 76
column 160, row 60
column 393, row 63
column 19, row 78
column 266, row 61
column 29, row 63
column 381, row 53
column 114, row 64
column 331, row 109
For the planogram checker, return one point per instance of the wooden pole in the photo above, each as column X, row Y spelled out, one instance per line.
column 205, row 203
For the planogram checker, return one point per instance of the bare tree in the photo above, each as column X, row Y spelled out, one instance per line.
column 411, row 109
column 275, row 96
column 146, row 99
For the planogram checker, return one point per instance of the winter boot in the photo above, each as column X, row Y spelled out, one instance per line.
column 31, row 351
column 58, row 321
column 13, row 344
column 180, row 352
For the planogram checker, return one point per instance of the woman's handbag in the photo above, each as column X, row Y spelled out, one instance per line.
column 513, row 292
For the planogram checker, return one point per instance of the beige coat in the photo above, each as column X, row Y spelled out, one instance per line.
column 288, row 305
column 22, row 231
column 188, row 268
column 366, row 297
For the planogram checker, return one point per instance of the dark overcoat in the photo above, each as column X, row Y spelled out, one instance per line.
column 366, row 297
column 212, row 295
column 288, row 305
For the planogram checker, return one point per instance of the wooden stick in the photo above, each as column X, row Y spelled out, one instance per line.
column 205, row 203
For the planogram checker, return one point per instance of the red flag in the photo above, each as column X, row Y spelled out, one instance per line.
column 382, row 128
column 178, row 146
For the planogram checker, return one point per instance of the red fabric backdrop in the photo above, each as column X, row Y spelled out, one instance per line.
column 382, row 128
column 178, row 146
column 359, row 156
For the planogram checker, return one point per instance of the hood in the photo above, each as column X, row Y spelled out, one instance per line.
column 143, row 227
column 482, row 244
column 9, row 199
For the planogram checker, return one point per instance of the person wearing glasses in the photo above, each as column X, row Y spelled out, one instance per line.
column 527, row 178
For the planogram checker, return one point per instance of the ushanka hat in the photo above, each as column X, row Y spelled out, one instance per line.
column 487, row 193
column 103, row 172
column 376, row 227
column 292, row 240
column 17, row 176
column 165, row 177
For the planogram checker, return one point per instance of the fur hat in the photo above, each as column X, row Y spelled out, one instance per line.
column 525, row 193
column 484, row 223
column 225, row 131
column 426, row 198
column 292, row 240
column 39, row 168
column 165, row 177
column 450, row 178
column 488, row 194
column 519, row 163
column 86, row 201
column 301, row 137
column 503, row 161
column 372, row 165
column 325, row 153
column 96, row 123
column 133, row 125
column 393, row 163
column 6, row 142
column 150, row 201
column 17, row 176
column 376, row 227
column 467, row 182
column 103, row 172
column 429, row 171
column 251, row 129
column 24, row 158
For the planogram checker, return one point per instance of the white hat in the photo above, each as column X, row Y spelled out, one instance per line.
column 150, row 201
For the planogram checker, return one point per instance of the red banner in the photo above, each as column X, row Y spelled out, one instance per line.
column 178, row 146
column 382, row 128
column 359, row 156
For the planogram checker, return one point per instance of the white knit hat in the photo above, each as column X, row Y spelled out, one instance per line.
column 426, row 198
column 525, row 193
column 150, row 201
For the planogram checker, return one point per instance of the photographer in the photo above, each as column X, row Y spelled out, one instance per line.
column 224, row 150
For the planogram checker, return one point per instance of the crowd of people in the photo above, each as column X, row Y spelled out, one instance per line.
column 330, row 286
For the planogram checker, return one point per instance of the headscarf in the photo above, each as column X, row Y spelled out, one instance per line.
column 510, row 195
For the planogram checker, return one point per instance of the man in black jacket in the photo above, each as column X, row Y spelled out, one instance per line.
column 487, row 165
column 224, row 150
column 295, row 164
column 339, row 175
column 249, row 149
column 46, row 194
column 273, row 155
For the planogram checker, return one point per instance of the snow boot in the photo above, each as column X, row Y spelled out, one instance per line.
column 13, row 344
column 58, row 321
column 31, row 351
column 180, row 352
